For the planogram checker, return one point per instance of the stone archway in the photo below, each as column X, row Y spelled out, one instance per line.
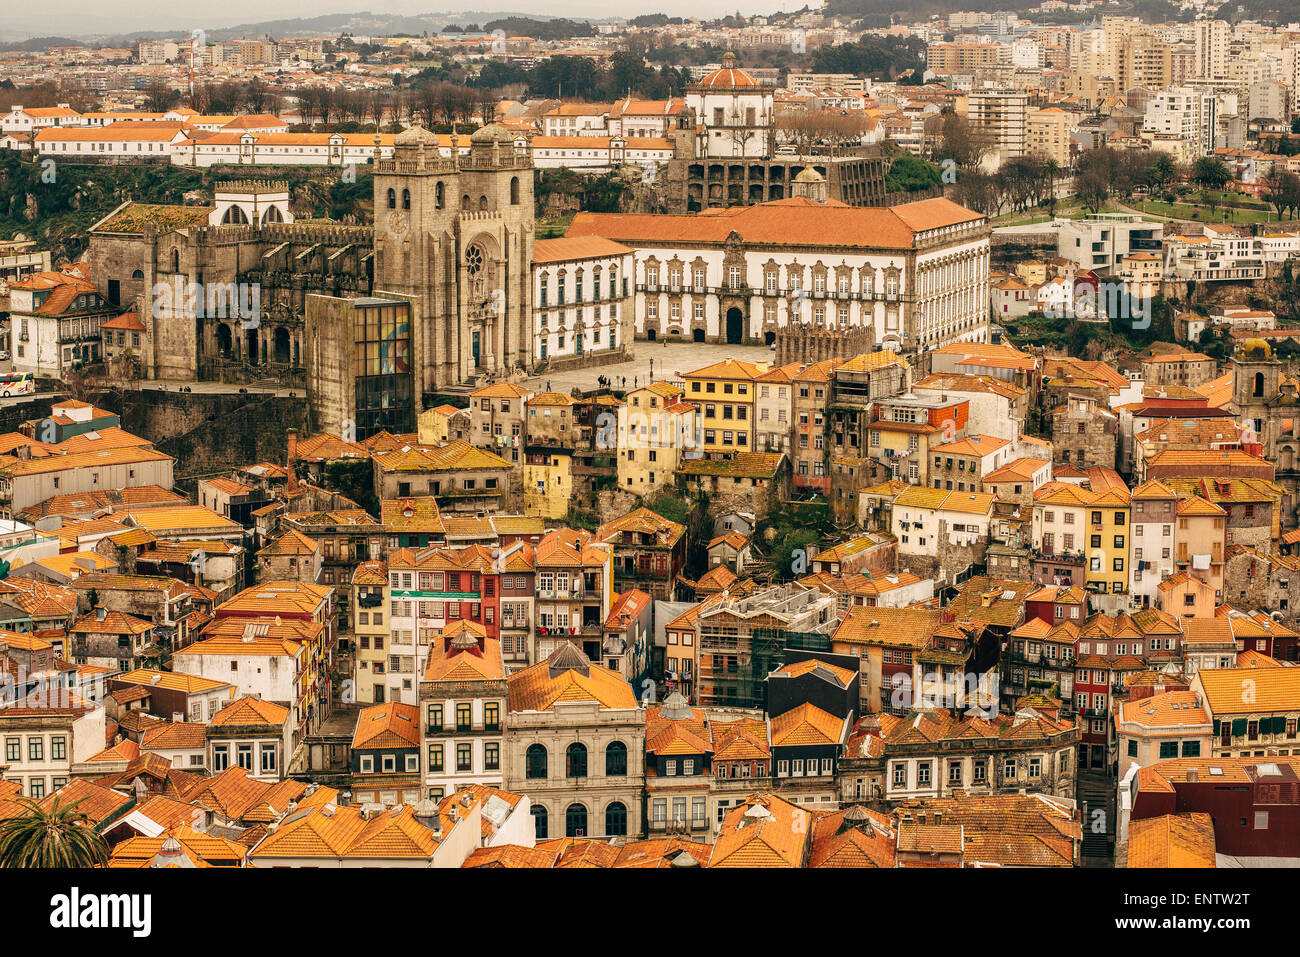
column 282, row 350
column 225, row 341
column 735, row 326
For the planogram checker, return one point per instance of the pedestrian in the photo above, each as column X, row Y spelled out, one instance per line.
column 548, row 385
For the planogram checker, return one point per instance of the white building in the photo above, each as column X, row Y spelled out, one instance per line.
column 1185, row 114
column 913, row 275
column 600, row 153
column 582, row 297
column 125, row 140
column 733, row 113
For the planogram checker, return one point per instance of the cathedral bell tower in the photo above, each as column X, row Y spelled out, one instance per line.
column 456, row 232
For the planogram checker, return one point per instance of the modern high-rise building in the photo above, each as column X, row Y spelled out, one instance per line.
column 1001, row 114
column 1212, row 48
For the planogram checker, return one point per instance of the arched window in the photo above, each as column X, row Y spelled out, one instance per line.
column 439, row 197
column 138, row 274
column 392, row 199
column 482, row 204
column 616, row 759
column 540, row 822
column 1259, row 383
column 176, row 259
column 616, row 820
column 535, row 761
column 575, row 761
column 406, row 199
column 514, row 191
column 575, row 821
column 465, row 202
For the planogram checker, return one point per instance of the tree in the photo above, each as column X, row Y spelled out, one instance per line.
column 963, row 142
column 806, row 129
column 1161, row 172
column 57, row 837
column 910, row 174
column 1210, row 173
column 1092, row 191
column 158, row 97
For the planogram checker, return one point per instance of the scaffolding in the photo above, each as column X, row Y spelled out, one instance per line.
column 745, row 687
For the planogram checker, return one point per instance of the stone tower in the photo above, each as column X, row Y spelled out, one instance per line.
column 456, row 233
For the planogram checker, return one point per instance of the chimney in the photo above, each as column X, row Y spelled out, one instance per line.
column 292, row 464
column 1193, row 775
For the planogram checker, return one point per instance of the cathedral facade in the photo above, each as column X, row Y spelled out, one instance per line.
column 222, row 289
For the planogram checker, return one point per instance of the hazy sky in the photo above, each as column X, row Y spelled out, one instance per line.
column 63, row 17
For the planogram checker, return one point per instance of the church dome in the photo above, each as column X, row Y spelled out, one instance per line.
column 491, row 132
column 809, row 175
column 414, row 136
column 1255, row 348
column 729, row 76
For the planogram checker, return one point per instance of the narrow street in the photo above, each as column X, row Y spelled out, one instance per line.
column 1096, row 792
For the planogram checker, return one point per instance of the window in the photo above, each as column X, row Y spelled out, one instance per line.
column 979, row 772
column 220, row 757
column 463, row 716
column 269, row 762
column 58, row 748
column 923, row 773
column 539, row 822
column 954, row 772
column 35, row 749
column 492, row 716
column 575, row 821
column 464, row 757
column 1009, row 769
column 900, row 775
column 491, row 756
column 435, row 717
column 36, row 788
column 575, row 762
column 616, row 820
column 535, row 761
column 13, row 750
column 616, row 759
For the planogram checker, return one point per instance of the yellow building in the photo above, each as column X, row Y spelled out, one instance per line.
column 656, row 428
column 1032, row 272
column 1140, row 274
column 548, row 483
column 724, row 392
column 369, row 633
column 1047, row 134
column 442, row 424
column 1093, row 521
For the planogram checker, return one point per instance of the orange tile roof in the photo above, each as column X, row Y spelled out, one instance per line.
column 569, row 248
column 1173, row 709
column 249, row 711
column 1172, row 840
column 573, row 679
column 763, row 831
column 806, row 725
column 388, row 725
column 1274, row 690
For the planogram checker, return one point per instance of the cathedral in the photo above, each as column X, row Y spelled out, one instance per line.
column 457, row 235
column 453, row 237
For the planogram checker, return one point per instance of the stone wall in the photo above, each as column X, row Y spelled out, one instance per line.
column 211, row 433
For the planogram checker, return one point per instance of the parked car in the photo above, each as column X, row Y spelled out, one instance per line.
column 4, row 355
